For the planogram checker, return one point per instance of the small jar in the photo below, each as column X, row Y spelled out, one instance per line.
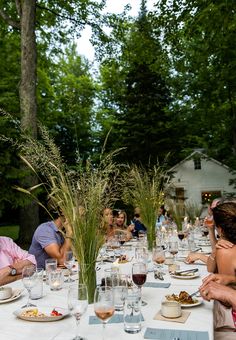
column 171, row 309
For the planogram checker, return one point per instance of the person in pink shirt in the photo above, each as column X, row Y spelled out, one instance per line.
column 12, row 260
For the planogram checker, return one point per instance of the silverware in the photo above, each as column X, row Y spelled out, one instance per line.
column 186, row 271
column 195, row 293
column 195, row 250
column 158, row 275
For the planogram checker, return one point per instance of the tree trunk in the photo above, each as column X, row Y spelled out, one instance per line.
column 29, row 215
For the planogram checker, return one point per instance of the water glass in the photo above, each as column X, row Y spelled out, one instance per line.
column 37, row 291
column 50, row 265
column 69, row 262
column 132, row 312
column 29, row 281
column 120, row 290
column 56, row 279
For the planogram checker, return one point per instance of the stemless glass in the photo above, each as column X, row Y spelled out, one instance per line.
column 69, row 262
column 78, row 304
column 104, row 305
column 173, row 248
column 29, row 280
column 139, row 276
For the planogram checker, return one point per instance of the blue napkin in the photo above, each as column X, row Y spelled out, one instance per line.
column 169, row 334
column 157, row 285
column 117, row 318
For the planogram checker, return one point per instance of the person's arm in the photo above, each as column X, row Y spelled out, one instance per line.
column 192, row 257
column 219, row 292
column 57, row 251
column 219, row 278
column 211, row 263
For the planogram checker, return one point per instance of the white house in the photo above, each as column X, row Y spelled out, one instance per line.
column 199, row 178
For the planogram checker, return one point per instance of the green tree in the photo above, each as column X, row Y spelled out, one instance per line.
column 135, row 92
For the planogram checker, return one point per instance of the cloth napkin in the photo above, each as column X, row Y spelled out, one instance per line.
column 117, row 318
column 169, row 334
column 157, row 284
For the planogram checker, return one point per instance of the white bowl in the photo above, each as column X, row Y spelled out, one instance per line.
column 171, row 309
column 5, row 293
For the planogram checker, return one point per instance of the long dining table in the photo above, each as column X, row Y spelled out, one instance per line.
column 200, row 318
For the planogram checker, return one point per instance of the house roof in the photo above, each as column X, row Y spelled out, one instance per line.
column 202, row 155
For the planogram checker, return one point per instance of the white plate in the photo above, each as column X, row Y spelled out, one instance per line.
column 46, row 311
column 185, row 277
column 198, row 302
column 16, row 293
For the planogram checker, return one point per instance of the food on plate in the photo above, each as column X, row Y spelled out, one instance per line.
column 32, row 313
column 35, row 313
column 123, row 259
column 183, row 298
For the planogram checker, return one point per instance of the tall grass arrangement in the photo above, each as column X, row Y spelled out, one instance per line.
column 143, row 188
column 176, row 211
column 193, row 210
column 80, row 194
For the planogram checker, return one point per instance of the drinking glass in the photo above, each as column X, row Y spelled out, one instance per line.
column 139, row 276
column 173, row 248
column 50, row 265
column 141, row 254
column 78, row 304
column 104, row 305
column 103, row 251
column 29, row 280
column 158, row 256
column 69, row 262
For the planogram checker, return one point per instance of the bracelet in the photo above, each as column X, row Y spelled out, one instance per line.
column 69, row 237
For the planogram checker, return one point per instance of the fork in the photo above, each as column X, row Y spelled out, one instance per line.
column 195, row 293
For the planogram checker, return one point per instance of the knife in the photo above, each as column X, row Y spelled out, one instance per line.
column 186, row 271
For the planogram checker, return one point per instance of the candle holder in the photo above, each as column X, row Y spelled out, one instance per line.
column 56, row 279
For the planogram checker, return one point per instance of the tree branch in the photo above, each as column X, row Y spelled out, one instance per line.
column 18, row 7
column 59, row 15
column 9, row 21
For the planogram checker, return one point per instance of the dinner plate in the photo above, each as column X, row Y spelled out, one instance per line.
column 46, row 310
column 16, row 293
column 185, row 277
column 198, row 302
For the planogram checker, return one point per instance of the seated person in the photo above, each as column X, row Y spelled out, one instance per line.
column 48, row 241
column 12, row 260
column 136, row 225
column 107, row 221
column 224, row 259
column 161, row 219
column 219, row 287
column 120, row 220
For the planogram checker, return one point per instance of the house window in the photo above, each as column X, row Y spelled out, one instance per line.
column 179, row 193
column 209, row 196
column 197, row 163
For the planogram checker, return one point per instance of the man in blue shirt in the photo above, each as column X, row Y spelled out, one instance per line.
column 48, row 242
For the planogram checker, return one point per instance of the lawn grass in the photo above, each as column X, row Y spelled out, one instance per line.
column 11, row 231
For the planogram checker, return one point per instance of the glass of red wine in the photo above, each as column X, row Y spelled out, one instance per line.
column 139, row 276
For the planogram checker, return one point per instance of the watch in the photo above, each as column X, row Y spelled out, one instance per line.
column 13, row 271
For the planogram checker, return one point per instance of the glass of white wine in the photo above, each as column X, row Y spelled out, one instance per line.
column 104, row 305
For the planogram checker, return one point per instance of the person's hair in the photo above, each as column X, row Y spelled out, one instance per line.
column 55, row 211
column 162, row 207
column 225, row 217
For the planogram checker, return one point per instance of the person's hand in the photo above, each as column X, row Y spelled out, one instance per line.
column 191, row 258
column 131, row 227
column 222, row 279
column 215, row 291
column 224, row 244
column 69, row 230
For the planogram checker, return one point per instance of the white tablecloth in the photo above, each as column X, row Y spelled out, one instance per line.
column 12, row 328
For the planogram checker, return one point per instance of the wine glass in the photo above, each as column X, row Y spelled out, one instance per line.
column 173, row 248
column 141, row 254
column 103, row 251
column 139, row 276
column 29, row 279
column 69, row 262
column 158, row 256
column 78, row 304
column 104, row 305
